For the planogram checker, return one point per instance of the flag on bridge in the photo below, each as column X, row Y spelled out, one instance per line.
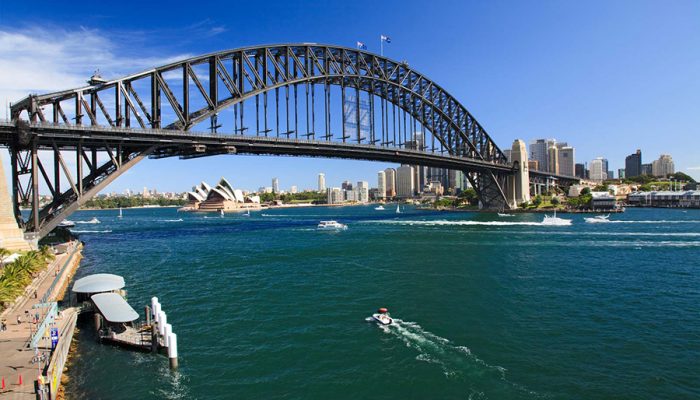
column 361, row 46
column 386, row 38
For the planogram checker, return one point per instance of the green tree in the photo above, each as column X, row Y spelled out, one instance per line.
column 537, row 201
column 555, row 201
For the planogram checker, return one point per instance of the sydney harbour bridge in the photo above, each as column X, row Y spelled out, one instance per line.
column 290, row 99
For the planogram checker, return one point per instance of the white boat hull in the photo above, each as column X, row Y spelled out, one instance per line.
column 382, row 319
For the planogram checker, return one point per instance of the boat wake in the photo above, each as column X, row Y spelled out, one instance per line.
column 91, row 231
column 92, row 221
column 456, row 362
column 173, row 220
column 460, row 223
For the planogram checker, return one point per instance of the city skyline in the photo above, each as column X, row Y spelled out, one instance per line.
column 586, row 95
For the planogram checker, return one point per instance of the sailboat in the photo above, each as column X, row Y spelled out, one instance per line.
column 221, row 212
column 247, row 213
column 398, row 209
column 120, row 213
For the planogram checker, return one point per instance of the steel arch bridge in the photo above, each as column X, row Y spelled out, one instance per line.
column 272, row 99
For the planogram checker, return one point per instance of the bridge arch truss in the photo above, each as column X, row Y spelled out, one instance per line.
column 302, row 93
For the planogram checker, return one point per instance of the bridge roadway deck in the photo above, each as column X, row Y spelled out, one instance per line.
column 68, row 136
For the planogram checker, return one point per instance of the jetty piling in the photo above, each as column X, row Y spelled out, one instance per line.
column 172, row 351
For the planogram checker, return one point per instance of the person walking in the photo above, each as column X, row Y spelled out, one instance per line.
column 19, row 320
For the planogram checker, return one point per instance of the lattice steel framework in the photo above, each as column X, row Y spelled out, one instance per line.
column 407, row 112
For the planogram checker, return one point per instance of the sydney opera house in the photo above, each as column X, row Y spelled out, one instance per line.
column 224, row 197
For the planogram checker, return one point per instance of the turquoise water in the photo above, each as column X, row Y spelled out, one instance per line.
column 267, row 307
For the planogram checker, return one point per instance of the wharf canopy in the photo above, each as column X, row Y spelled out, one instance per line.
column 98, row 283
column 222, row 197
column 114, row 308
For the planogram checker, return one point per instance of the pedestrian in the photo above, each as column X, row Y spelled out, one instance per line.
column 35, row 294
column 19, row 320
column 3, row 326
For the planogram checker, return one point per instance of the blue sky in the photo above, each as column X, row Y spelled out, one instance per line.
column 608, row 77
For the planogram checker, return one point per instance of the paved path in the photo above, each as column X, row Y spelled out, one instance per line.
column 15, row 356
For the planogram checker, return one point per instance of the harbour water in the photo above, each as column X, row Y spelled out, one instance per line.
column 487, row 307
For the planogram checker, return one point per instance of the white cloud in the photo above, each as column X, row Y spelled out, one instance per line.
column 36, row 60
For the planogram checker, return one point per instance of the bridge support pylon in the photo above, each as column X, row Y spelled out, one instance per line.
column 519, row 182
column 11, row 236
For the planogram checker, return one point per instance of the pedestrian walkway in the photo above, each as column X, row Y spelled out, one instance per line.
column 16, row 366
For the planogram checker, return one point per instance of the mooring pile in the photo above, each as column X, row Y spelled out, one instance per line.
column 162, row 331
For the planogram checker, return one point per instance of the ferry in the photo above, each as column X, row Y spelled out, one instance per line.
column 382, row 317
column 555, row 221
column 379, row 208
column 332, row 226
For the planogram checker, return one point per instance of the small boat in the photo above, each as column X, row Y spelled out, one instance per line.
column 379, row 208
column 505, row 215
column 555, row 221
column 247, row 213
column 332, row 226
column 120, row 213
column 598, row 219
column 66, row 223
column 94, row 220
column 398, row 209
column 382, row 317
column 221, row 212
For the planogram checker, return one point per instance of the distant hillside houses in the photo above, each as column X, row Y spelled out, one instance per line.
column 222, row 197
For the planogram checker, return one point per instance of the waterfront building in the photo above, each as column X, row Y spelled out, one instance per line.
column 405, row 181
column 381, row 185
column 293, row 189
column 633, row 164
column 225, row 197
column 597, row 171
column 647, row 169
column 197, row 195
column 684, row 199
column 611, row 174
column 437, row 175
column 275, row 185
column 508, row 154
column 663, row 166
column 457, row 181
column 553, row 160
column 621, row 173
column 349, row 195
column 334, row 195
column 580, row 171
column 321, row 182
column 539, row 151
column 390, row 182
column 602, row 201
column 346, row 185
column 362, row 192
column 567, row 161
column 533, row 165
column 605, row 167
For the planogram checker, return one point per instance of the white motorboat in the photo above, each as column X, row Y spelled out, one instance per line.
column 506, row 215
column 94, row 220
column 555, row 221
column 379, row 208
column 598, row 219
column 382, row 317
column 66, row 223
column 332, row 226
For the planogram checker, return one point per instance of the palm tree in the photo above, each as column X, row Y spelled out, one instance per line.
column 4, row 253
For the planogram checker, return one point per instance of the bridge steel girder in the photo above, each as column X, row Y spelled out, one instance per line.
column 162, row 100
